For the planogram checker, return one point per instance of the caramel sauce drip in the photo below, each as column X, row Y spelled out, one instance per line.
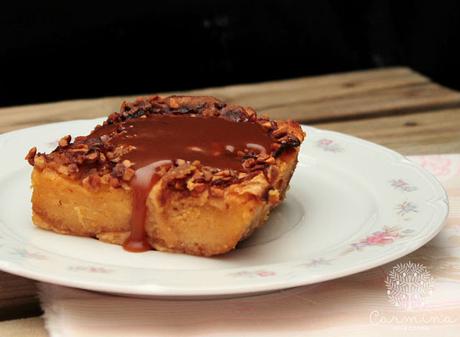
column 158, row 140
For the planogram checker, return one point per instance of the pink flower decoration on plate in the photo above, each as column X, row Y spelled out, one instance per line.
column 380, row 238
column 406, row 207
column 266, row 273
column 325, row 142
column 91, row 269
column 329, row 145
column 384, row 237
column 400, row 184
column 28, row 254
column 252, row 274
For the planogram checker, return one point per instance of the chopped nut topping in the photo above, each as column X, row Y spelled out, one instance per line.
column 207, row 175
column 173, row 104
column 119, row 170
column 31, row 155
column 247, row 164
column 270, row 160
column 92, row 156
column 83, row 148
column 280, row 131
column 93, row 181
column 102, row 158
column 128, row 174
column 72, row 168
column 65, row 141
column 126, row 163
column 267, row 125
column 96, row 161
column 105, row 138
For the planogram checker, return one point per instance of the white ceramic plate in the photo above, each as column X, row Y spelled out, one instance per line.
column 352, row 205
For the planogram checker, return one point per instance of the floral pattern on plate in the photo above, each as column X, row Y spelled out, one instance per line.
column 253, row 274
column 329, row 145
column 386, row 236
column 402, row 185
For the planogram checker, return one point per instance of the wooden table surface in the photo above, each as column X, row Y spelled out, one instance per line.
column 395, row 107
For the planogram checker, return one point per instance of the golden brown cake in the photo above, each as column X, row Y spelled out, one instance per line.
column 179, row 174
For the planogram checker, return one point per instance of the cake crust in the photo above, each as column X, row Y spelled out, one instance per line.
column 84, row 187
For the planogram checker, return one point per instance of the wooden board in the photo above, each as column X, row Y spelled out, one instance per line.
column 323, row 98
column 416, row 133
column 395, row 107
column 18, row 297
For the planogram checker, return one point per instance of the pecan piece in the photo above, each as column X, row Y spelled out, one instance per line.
column 65, row 141
column 118, row 170
column 281, row 131
column 93, row 181
column 31, row 155
column 83, row 148
column 127, row 163
column 92, row 156
column 270, row 160
column 73, row 168
column 128, row 174
column 249, row 163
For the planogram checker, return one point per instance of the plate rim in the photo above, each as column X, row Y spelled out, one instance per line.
column 153, row 290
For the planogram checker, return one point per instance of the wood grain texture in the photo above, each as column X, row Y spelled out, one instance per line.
column 17, row 297
column 384, row 102
column 417, row 133
column 29, row 327
column 324, row 98
column 395, row 107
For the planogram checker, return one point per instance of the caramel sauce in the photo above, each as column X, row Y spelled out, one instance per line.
column 141, row 184
column 158, row 140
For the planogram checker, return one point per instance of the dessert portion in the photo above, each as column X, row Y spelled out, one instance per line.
column 180, row 174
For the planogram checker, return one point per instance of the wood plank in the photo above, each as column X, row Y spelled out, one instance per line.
column 422, row 133
column 17, row 297
column 29, row 327
column 268, row 95
column 329, row 97
column 393, row 101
